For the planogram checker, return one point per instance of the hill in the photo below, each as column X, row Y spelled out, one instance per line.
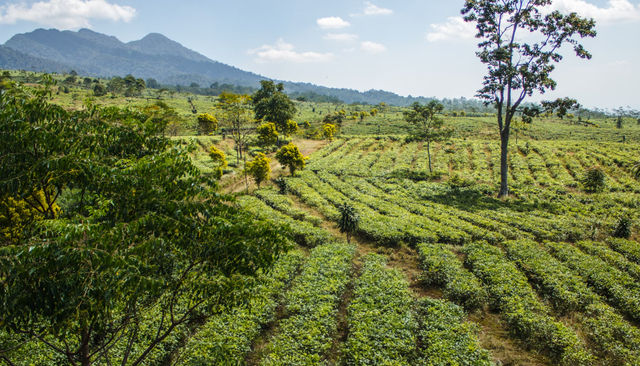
column 154, row 56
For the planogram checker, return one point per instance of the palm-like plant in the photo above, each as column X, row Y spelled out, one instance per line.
column 349, row 220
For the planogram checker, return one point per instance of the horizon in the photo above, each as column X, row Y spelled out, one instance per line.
column 342, row 45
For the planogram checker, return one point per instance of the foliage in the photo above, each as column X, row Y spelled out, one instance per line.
column 516, row 69
column 142, row 229
column 510, row 292
column 446, row 338
column 349, row 220
column 207, row 124
column 271, row 104
column 623, row 228
column 259, row 169
column 427, row 125
column 226, row 338
column 99, row 90
column 382, row 325
column 329, row 131
column 15, row 216
column 440, row 267
column 284, row 204
column 283, row 185
column 290, row 156
column 305, row 335
column 235, row 115
column 267, row 133
column 220, row 159
column 594, row 179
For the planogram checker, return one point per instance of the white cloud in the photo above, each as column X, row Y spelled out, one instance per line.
column 454, row 29
column 373, row 10
column 341, row 37
column 65, row 14
column 332, row 23
column 284, row 52
column 616, row 10
column 372, row 48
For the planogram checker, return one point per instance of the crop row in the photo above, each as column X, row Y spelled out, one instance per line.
column 440, row 267
column 510, row 292
column 616, row 341
column 630, row 249
column 445, row 337
column 226, row 338
column 284, row 204
column 304, row 233
column 382, row 325
column 611, row 257
column 619, row 287
column 305, row 335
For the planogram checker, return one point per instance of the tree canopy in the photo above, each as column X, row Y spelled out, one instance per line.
column 427, row 126
column 138, row 228
column 271, row 104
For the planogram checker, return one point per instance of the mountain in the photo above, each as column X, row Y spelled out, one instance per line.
column 154, row 56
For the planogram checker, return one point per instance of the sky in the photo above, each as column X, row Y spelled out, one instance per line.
column 409, row 47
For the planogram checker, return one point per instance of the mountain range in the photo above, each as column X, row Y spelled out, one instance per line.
column 155, row 56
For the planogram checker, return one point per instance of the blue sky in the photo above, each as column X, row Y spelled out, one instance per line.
column 410, row 47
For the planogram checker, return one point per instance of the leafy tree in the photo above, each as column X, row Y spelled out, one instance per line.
column 620, row 122
column 290, row 156
column 517, row 69
column 73, row 73
column 153, row 84
column 271, row 104
column 235, row 115
column 207, row 124
column 87, row 82
column 335, row 119
column 115, row 85
column 374, row 112
column 99, row 90
column 141, row 229
column 69, row 80
column 259, row 169
column 161, row 114
column 594, row 179
column 362, row 115
column 267, row 133
column 16, row 214
column 427, row 126
column 329, row 131
column 349, row 220
column 220, row 159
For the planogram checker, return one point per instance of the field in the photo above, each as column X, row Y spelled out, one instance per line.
column 440, row 271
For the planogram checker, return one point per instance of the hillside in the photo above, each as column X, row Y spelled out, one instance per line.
column 154, row 56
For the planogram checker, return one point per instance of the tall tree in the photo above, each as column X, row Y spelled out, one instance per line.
column 141, row 229
column 516, row 69
column 427, row 126
column 235, row 115
column 271, row 104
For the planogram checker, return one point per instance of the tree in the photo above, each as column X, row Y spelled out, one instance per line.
column 594, row 179
column 362, row 115
column 207, row 124
column 329, row 131
column 516, row 69
column 427, row 126
column 141, row 230
column 236, row 117
column 115, row 85
column 620, row 122
column 290, row 156
column 349, row 220
column 259, row 169
column 220, row 159
column 267, row 133
column 99, row 90
column 271, row 104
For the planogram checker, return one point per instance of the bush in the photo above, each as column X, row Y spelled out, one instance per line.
column 623, row 228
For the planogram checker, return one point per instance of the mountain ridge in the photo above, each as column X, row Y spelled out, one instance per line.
column 154, row 56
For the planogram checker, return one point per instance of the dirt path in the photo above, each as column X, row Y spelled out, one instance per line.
column 307, row 147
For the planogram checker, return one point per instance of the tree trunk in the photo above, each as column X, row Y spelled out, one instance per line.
column 84, row 349
column 429, row 155
column 504, row 163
